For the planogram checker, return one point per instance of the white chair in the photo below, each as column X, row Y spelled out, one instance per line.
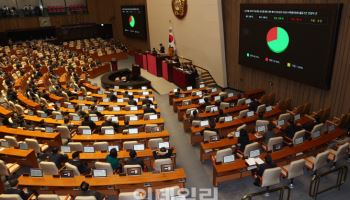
column 130, row 196
column 129, row 145
column 219, row 157
column 10, row 197
column 33, row 144
column 293, row 170
column 315, row 163
column 104, row 128
column 64, row 133
column 285, row 117
column 11, row 140
column 318, row 128
column 85, row 198
column 272, row 142
column 82, row 128
column 8, row 169
column 241, row 101
column 262, row 123
column 52, row 197
column 270, row 177
column 76, row 146
column 154, row 142
column 242, row 114
column 73, row 168
column 250, row 147
column 100, row 146
column 208, row 134
column 224, row 105
column 261, row 108
column 157, row 165
column 49, row 168
column 297, row 136
column 341, row 153
column 105, row 165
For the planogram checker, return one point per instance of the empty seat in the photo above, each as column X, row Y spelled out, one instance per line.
column 33, row 144
column 157, row 165
column 8, row 169
column 270, row 177
column 341, row 153
column 219, row 157
column 105, row 165
column 224, row 105
column 285, row 117
column 250, row 147
column 10, row 197
column 297, row 136
column 153, row 143
column 100, row 146
column 129, row 145
column 261, row 108
column 76, row 146
column 12, row 141
column 241, row 101
column 293, row 170
column 272, row 142
column 242, row 114
column 82, row 128
column 315, row 163
column 49, row 168
column 317, row 130
column 208, row 134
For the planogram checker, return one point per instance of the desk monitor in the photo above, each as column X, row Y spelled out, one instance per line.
column 296, row 117
column 66, row 173
column 277, row 147
column 109, row 131
column 268, row 108
column 100, row 92
column 237, row 133
column 167, row 168
column 80, row 98
column 43, row 115
column 49, row 129
column 89, row 150
column 214, row 89
column 153, row 117
column 100, row 108
column 30, row 112
column 228, row 159
column 65, row 149
column 330, row 128
column 116, row 87
column 139, row 147
column 70, row 106
column 116, row 108
column 76, row 118
column 133, row 108
column 59, row 117
column 201, row 101
column 316, row 134
column 115, row 119
column 189, row 88
column 99, row 173
column 133, row 118
column 248, row 101
column 250, row 114
column 204, row 123
column 120, row 100
column 254, row 153
column 134, row 171
column 164, row 144
column 23, row 146
column 133, row 131
column 201, row 86
column 228, row 118
column 85, row 108
column 34, row 172
column 280, row 122
column 214, row 138
column 94, row 118
column 5, row 144
column 58, row 104
column 86, row 131
column 230, row 95
column 116, row 147
column 217, row 98
column 299, row 140
column 106, row 100
column 261, row 129
column 214, row 109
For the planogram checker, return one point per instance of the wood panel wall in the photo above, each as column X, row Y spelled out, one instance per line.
column 100, row 11
column 245, row 78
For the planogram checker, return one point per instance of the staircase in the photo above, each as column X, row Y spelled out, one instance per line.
column 205, row 77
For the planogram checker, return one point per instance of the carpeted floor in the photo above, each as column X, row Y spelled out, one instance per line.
column 199, row 175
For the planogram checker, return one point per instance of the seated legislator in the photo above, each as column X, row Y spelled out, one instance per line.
column 269, row 133
column 112, row 158
column 211, row 127
column 134, row 160
column 14, row 190
column 146, row 100
column 253, row 105
column 88, row 122
column 291, row 129
column 82, row 166
column 221, row 114
column 132, row 101
column 85, row 191
column 109, row 122
column 58, row 158
column 243, row 139
column 163, row 153
column 148, row 109
column 261, row 168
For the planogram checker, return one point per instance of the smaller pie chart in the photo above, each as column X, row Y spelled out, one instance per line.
column 277, row 39
column 132, row 21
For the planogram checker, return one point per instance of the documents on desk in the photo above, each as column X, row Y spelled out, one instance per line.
column 254, row 161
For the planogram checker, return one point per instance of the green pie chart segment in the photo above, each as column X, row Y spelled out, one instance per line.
column 132, row 21
column 277, row 39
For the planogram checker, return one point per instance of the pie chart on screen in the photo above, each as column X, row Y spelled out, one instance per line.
column 132, row 21
column 277, row 39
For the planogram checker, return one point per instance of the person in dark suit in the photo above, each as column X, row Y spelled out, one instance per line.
column 134, row 160
column 163, row 153
column 253, row 105
column 14, row 190
column 269, row 133
column 161, row 48
column 132, row 101
column 82, row 166
column 57, row 157
column 146, row 100
column 85, row 191
column 109, row 122
column 148, row 109
column 261, row 168
column 88, row 122
column 221, row 114
column 291, row 129
column 243, row 139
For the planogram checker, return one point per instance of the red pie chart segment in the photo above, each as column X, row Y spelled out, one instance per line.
column 272, row 34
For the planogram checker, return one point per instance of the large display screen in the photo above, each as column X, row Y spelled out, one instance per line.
column 134, row 21
column 295, row 41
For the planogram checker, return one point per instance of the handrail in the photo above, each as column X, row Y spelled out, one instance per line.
column 280, row 189
column 315, row 181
